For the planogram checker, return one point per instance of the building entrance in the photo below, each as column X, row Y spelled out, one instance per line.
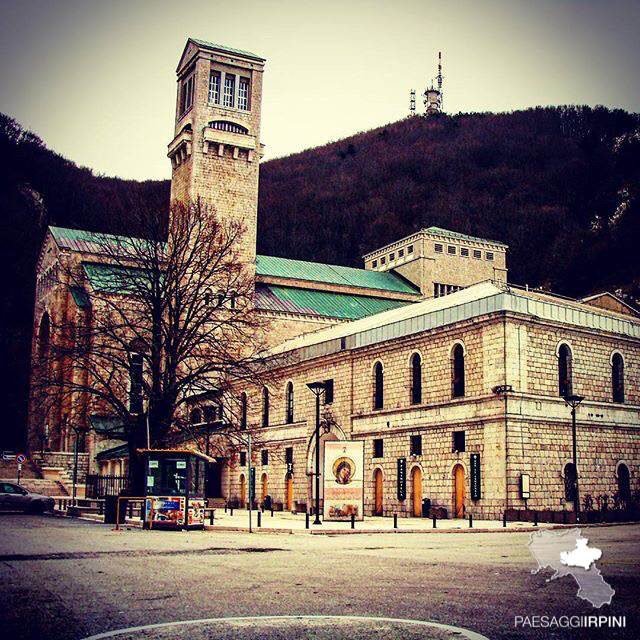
column 458, row 474
column 416, row 492
column 378, row 508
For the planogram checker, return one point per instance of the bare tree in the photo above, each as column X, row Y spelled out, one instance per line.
column 169, row 317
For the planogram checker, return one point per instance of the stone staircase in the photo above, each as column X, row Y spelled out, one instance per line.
column 31, row 478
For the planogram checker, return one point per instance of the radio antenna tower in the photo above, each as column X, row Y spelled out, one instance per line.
column 440, row 80
column 432, row 95
column 412, row 103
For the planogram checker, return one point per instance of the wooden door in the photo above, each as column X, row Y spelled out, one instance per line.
column 265, row 487
column 459, row 490
column 378, row 492
column 416, row 494
column 289, row 483
column 243, row 491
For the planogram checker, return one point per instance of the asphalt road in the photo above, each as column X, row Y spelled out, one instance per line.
column 69, row 579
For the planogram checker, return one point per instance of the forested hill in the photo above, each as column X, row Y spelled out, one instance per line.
column 560, row 186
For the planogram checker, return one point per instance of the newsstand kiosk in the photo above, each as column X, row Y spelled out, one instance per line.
column 174, row 488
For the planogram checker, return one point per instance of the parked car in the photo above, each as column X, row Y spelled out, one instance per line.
column 13, row 497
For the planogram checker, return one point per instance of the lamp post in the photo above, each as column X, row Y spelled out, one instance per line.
column 573, row 401
column 78, row 431
column 318, row 389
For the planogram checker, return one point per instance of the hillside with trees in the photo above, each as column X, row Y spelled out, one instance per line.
column 560, row 186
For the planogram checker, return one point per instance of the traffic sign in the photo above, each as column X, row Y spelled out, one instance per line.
column 20, row 458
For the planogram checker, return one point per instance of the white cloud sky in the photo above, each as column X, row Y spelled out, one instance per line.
column 95, row 79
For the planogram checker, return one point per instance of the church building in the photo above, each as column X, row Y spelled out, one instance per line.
column 454, row 381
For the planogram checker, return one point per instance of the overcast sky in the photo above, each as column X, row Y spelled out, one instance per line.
column 96, row 79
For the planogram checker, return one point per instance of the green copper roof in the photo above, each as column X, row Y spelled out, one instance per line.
column 460, row 236
column 91, row 241
column 321, row 303
column 80, row 297
column 107, row 425
column 121, row 451
column 220, row 47
column 331, row 274
column 109, row 278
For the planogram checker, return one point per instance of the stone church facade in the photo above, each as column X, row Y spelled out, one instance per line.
column 429, row 355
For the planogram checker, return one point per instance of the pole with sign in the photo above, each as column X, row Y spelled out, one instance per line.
column 476, row 492
column 402, row 478
column 20, row 459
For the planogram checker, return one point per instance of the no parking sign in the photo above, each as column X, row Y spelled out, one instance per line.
column 21, row 458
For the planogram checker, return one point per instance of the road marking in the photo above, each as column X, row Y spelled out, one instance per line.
column 465, row 633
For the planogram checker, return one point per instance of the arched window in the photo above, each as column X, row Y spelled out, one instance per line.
column 265, row 407
column 196, row 416
column 570, row 482
column 243, row 410
column 378, row 386
column 624, row 483
column 44, row 334
column 457, row 371
column 225, row 125
column 416, row 379
column 289, row 402
column 565, row 371
column 617, row 377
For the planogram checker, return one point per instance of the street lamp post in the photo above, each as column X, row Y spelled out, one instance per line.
column 78, row 431
column 318, row 389
column 573, row 401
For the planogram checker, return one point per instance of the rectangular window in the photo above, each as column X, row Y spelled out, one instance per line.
column 458, row 441
column 451, row 250
column 378, row 448
column 229, row 90
column 243, row 459
column 416, row 445
column 400, row 253
column 328, row 391
column 288, row 455
column 186, row 95
column 383, row 260
column 374, row 264
column 265, row 456
column 438, row 248
column 214, row 87
column 392, row 257
column 477, row 254
column 410, row 249
column 243, row 94
column 464, row 252
column 488, row 255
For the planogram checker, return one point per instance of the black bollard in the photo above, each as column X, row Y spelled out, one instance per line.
column 306, row 524
column 259, row 518
column 225, row 507
column 535, row 518
column 272, row 512
column 395, row 520
column 434, row 522
column 471, row 521
column 353, row 521
column 211, row 516
column 231, row 510
column 504, row 519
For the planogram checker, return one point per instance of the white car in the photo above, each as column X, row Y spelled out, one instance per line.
column 13, row 497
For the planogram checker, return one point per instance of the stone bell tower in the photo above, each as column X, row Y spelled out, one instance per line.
column 216, row 149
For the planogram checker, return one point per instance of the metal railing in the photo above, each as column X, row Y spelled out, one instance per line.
column 98, row 486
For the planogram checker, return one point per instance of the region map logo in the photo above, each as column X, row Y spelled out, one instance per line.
column 568, row 553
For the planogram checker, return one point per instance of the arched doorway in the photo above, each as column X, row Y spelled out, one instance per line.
column 288, row 492
column 416, row 491
column 624, row 483
column 458, row 483
column 378, row 492
column 243, row 491
column 265, row 487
